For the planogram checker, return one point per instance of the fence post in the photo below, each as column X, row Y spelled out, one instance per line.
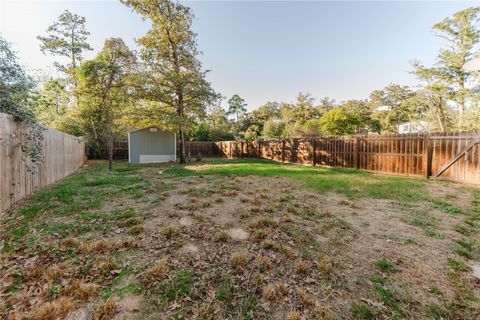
column 283, row 150
column 258, row 148
column 231, row 148
column 314, row 151
column 241, row 149
column 426, row 156
column 356, row 153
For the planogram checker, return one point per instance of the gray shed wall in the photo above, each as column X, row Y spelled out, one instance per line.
column 146, row 147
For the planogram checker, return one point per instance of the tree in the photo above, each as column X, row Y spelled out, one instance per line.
column 339, row 122
column 15, row 99
column 237, row 107
column 51, row 101
column 461, row 31
column 391, row 106
column 274, row 128
column 363, row 110
column 173, row 76
column 102, row 83
column 434, row 94
column 66, row 38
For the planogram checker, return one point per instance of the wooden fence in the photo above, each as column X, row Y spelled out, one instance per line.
column 450, row 156
column 62, row 154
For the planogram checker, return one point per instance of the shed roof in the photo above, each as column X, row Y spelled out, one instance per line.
column 160, row 129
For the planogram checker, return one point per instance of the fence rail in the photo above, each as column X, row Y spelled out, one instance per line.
column 417, row 155
column 62, row 154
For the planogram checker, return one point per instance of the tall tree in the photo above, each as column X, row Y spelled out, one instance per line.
column 173, row 75
column 434, row 94
column 102, row 83
column 462, row 33
column 67, row 37
column 237, row 107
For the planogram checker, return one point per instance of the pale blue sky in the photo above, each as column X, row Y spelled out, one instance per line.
column 267, row 51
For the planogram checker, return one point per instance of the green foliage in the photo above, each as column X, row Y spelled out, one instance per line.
column 384, row 265
column 339, row 122
column 104, row 92
column 172, row 77
column 274, row 128
column 237, row 107
column 15, row 99
column 66, row 38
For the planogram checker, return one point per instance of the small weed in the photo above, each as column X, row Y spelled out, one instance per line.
column 384, row 265
column 224, row 290
column 362, row 311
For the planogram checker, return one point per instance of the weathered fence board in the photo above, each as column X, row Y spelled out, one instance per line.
column 62, row 154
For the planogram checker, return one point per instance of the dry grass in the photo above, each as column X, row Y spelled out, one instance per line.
column 238, row 260
column 221, row 236
column 269, row 292
column 107, row 310
column 53, row 310
column 57, row 271
column 325, row 265
column 136, row 230
column 323, row 312
column 81, row 290
column 169, row 232
column 294, row 315
column 303, row 297
column 301, row 267
column 263, row 262
column 156, row 273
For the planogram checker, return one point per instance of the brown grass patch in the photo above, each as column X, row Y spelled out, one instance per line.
column 264, row 262
column 269, row 292
column 294, row 315
column 136, row 230
column 221, row 236
column 53, row 310
column 107, row 310
column 238, row 260
column 301, row 267
column 81, row 290
column 156, row 273
column 303, row 297
column 169, row 232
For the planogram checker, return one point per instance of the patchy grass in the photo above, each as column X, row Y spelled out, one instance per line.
column 240, row 239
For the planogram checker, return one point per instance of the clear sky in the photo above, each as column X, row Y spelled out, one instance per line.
column 266, row 51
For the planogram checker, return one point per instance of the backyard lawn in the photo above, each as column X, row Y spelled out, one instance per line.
column 241, row 239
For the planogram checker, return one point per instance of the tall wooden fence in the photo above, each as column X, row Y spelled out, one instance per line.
column 450, row 156
column 62, row 154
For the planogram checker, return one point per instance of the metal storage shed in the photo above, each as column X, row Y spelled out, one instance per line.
column 151, row 145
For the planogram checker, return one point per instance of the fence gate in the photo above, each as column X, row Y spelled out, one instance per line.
column 455, row 157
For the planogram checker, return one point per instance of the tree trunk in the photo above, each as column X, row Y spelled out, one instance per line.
column 110, row 152
column 182, row 146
